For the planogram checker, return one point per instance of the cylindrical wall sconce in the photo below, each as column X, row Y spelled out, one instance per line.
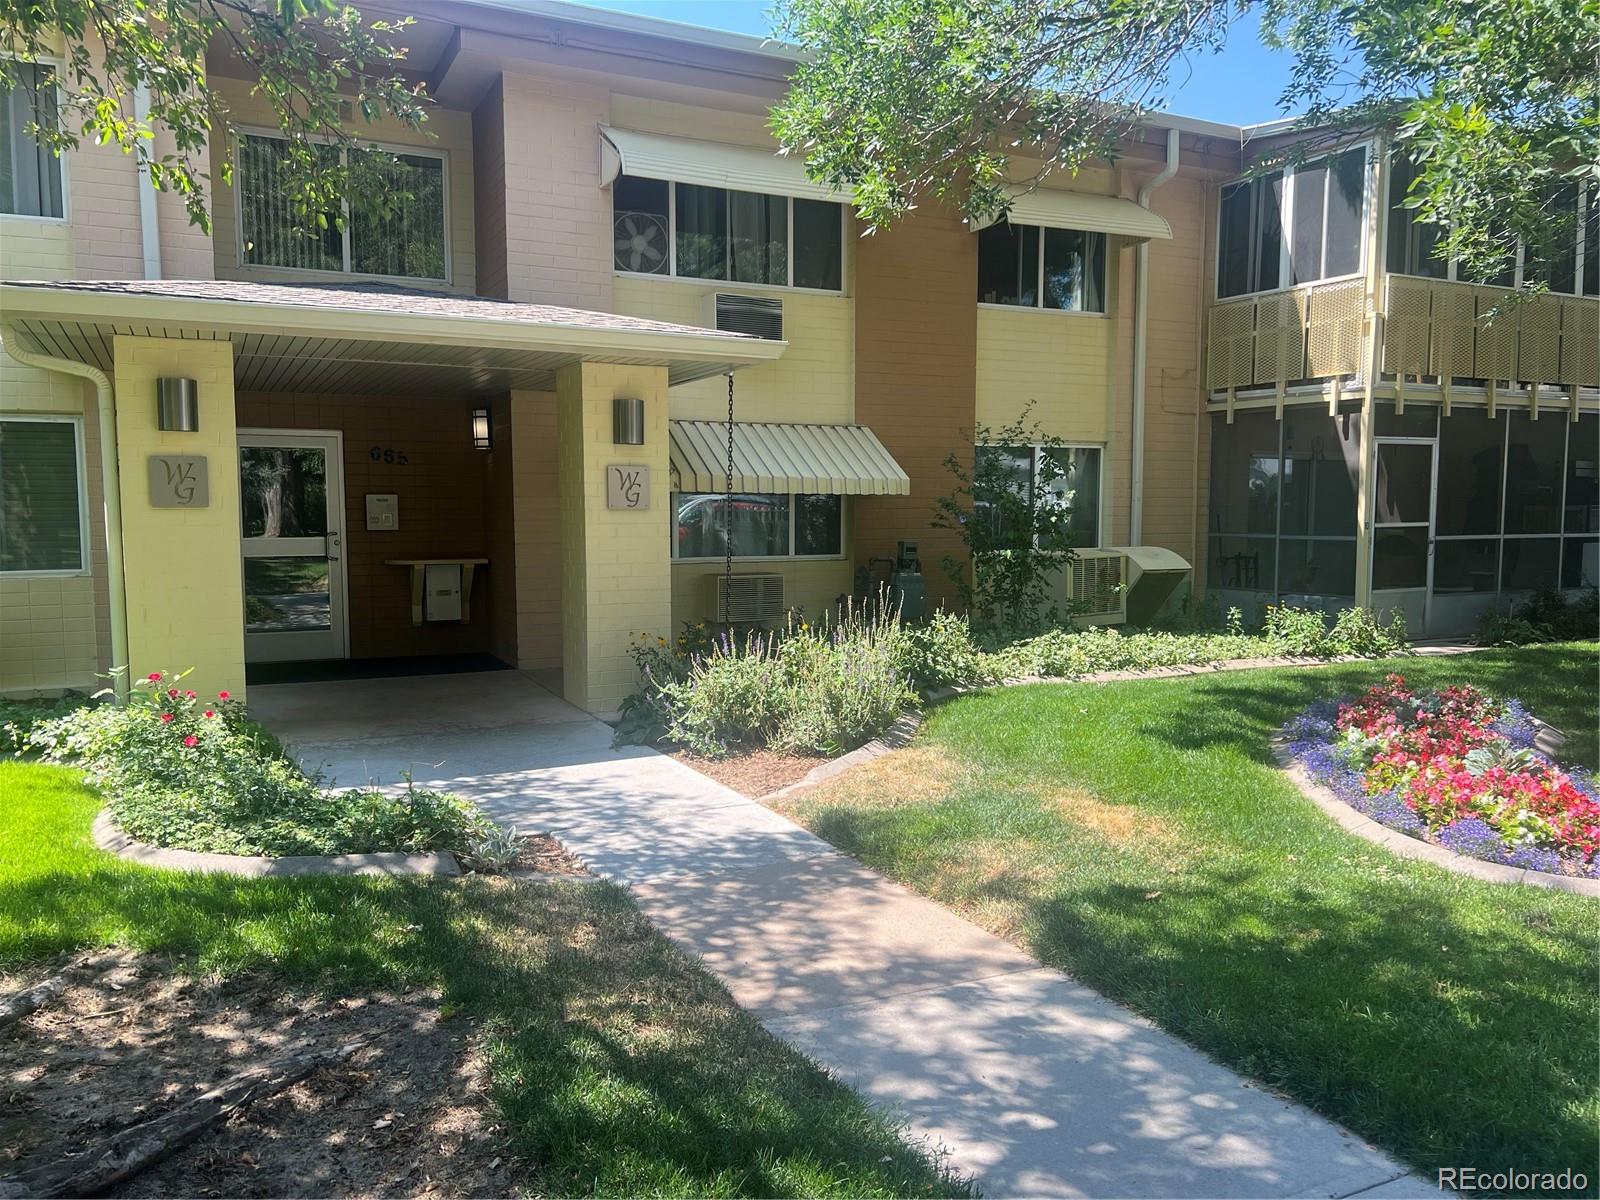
column 482, row 435
column 627, row 422
column 177, row 405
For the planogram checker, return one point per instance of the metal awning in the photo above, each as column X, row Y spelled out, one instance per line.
column 837, row 460
column 711, row 164
column 1056, row 209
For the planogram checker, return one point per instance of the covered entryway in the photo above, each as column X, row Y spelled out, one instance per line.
column 351, row 439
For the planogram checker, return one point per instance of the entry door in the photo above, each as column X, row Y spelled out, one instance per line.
column 291, row 505
column 1403, row 524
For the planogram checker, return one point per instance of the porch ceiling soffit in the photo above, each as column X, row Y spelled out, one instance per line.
column 307, row 347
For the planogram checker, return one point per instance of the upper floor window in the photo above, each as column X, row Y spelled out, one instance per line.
column 1571, row 267
column 41, row 496
column 30, row 174
column 1036, row 267
column 696, row 232
column 407, row 242
column 1293, row 226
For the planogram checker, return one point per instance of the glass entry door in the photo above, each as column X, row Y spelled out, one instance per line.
column 1403, row 528
column 291, row 505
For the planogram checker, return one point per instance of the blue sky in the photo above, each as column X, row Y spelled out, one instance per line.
column 1239, row 85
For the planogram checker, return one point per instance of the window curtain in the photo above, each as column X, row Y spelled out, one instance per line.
column 40, row 523
column 408, row 240
column 758, row 246
column 275, row 234
column 702, row 232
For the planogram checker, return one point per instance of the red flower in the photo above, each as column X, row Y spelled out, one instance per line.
column 222, row 695
column 173, row 692
column 191, row 740
column 209, row 713
column 188, row 695
column 154, row 677
column 166, row 718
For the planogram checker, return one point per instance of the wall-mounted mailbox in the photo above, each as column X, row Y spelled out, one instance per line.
column 441, row 592
column 383, row 511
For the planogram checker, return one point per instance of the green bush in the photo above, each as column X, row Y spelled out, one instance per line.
column 19, row 716
column 192, row 774
column 1546, row 617
column 943, row 654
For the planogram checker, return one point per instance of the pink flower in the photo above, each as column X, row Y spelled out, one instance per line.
column 222, row 695
column 209, row 713
column 191, row 740
column 188, row 695
column 166, row 718
column 154, row 677
column 172, row 692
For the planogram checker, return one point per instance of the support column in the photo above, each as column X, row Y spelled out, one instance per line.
column 616, row 579
column 181, row 541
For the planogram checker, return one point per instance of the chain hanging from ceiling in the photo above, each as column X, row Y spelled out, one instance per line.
column 727, row 507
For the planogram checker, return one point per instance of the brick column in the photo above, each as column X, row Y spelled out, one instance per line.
column 615, row 563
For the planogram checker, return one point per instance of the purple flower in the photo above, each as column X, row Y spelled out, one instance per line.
column 1475, row 838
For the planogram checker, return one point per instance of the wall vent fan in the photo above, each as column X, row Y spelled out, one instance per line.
column 639, row 242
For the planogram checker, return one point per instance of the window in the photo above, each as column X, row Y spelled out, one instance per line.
column 762, row 525
column 408, row 242
column 1293, row 226
column 30, row 174
column 1283, row 504
column 1067, row 477
column 41, row 495
column 1031, row 267
column 696, row 232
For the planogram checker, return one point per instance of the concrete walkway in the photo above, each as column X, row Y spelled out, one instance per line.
column 1036, row 1085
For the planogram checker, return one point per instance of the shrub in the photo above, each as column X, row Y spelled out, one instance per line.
column 1547, row 617
column 941, row 654
column 191, row 774
column 18, row 717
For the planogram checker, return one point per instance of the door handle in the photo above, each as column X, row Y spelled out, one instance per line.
column 331, row 545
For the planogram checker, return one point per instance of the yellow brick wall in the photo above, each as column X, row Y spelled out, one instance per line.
column 813, row 381
column 1058, row 362
column 535, row 522
column 185, row 607
column 615, row 572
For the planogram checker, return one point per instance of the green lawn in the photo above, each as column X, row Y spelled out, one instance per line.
column 1138, row 836
column 620, row 1066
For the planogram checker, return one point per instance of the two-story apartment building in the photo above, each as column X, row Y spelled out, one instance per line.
column 498, row 422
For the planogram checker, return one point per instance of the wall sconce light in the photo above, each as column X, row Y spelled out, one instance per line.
column 482, row 438
column 177, row 406
column 627, row 422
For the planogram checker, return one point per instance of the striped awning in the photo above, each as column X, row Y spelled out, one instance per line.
column 837, row 460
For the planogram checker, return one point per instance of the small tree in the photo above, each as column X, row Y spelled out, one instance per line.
column 1012, row 511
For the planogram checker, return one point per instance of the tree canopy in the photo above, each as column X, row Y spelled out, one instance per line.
column 911, row 100
column 307, row 59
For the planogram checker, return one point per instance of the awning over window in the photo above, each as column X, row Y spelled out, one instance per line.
column 711, row 164
column 1082, row 210
column 837, row 460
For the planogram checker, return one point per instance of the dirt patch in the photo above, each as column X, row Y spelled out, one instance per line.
column 915, row 775
column 1114, row 822
column 542, row 854
column 406, row 1115
column 756, row 774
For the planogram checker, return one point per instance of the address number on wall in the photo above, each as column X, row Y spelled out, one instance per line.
column 389, row 455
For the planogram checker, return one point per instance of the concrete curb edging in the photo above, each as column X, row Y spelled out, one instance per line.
column 905, row 727
column 109, row 836
column 1405, row 846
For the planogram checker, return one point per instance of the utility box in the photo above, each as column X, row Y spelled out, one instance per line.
column 441, row 592
column 383, row 511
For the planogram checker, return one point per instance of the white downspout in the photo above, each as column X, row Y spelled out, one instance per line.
column 110, row 485
column 149, row 224
column 1141, row 305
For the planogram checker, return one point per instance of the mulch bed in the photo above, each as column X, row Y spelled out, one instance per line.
column 406, row 1115
column 756, row 774
column 543, row 855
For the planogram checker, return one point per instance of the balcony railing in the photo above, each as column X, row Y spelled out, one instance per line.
column 1431, row 328
column 1306, row 333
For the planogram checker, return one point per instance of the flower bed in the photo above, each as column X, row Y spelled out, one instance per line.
column 186, row 772
column 1456, row 768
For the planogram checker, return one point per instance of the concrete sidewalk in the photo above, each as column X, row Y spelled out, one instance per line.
column 1033, row 1083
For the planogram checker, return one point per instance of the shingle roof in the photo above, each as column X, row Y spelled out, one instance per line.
column 373, row 297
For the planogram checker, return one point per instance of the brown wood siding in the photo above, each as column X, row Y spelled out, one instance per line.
column 916, row 289
column 444, row 509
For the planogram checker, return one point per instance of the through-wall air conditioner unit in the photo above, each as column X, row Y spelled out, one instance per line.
column 1094, row 579
column 758, row 316
column 744, row 599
